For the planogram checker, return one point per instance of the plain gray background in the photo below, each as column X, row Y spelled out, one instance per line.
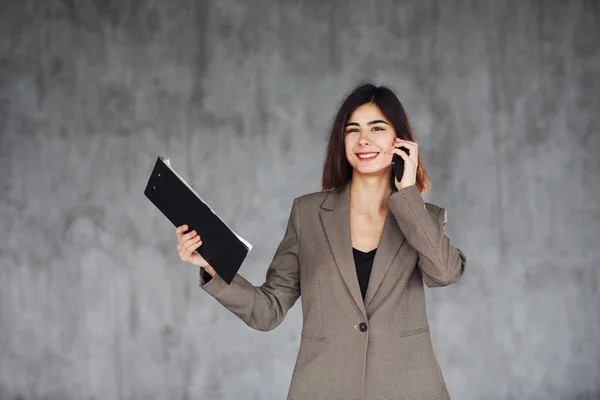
column 94, row 301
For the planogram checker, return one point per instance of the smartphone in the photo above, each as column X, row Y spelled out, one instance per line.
column 398, row 163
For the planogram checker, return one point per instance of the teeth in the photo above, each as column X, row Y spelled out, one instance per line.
column 369, row 155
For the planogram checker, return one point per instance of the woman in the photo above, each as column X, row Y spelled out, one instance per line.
column 358, row 253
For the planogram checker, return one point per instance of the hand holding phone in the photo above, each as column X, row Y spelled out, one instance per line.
column 398, row 163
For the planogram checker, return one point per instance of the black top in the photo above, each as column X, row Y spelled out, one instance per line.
column 364, row 263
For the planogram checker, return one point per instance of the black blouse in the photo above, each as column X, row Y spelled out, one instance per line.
column 364, row 263
column 362, row 260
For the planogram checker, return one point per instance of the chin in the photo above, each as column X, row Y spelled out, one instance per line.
column 372, row 171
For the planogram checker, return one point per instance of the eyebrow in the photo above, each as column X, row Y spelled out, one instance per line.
column 377, row 121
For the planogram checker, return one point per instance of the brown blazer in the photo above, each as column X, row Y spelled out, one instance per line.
column 379, row 348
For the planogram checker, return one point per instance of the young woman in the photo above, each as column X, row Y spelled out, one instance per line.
column 358, row 253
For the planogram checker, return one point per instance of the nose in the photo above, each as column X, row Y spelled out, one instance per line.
column 363, row 140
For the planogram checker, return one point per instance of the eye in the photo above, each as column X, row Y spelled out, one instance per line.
column 351, row 130
column 378, row 128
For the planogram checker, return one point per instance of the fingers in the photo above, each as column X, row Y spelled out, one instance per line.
column 412, row 147
column 183, row 244
column 189, row 235
column 179, row 231
column 192, row 244
column 184, row 241
column 187, row 244
column 408, row 144
column 180, row 236
column 401, row 153
column 188, row 247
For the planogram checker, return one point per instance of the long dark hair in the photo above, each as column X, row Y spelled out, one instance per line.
column 337, row 171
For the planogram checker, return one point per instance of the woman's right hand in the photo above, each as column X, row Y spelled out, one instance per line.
column 187, row 245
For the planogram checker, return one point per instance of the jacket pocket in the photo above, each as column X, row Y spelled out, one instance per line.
column 314, row 338
column 414, row 331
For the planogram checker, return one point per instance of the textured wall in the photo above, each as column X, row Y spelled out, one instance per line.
column 94, row 302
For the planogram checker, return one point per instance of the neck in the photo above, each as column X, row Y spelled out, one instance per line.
column 368, row 195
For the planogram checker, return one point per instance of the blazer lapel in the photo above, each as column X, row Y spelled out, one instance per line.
column 390, row 243
column 336, row 222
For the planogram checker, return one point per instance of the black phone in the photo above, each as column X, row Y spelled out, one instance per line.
column 398, row 163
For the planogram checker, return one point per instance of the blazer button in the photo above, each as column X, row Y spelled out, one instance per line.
column 362, row 326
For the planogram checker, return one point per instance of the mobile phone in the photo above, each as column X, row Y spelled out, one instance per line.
column 398, row 163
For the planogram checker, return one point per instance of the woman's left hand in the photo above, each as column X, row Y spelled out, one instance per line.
column 409, row 177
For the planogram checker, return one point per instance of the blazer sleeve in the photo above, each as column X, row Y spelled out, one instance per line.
column 439, row 261
column 264, row 307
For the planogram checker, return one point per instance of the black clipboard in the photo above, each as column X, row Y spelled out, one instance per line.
column 221, row 247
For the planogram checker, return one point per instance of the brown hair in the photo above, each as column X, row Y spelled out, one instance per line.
column 337, row 171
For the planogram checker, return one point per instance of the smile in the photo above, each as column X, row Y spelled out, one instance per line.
column 367, row 156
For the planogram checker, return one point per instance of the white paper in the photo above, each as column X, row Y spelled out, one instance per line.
column 248, row 245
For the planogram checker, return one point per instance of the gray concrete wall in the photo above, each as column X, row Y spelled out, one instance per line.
column 94, row 302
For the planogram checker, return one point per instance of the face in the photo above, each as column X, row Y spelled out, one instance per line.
column 369, row 135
